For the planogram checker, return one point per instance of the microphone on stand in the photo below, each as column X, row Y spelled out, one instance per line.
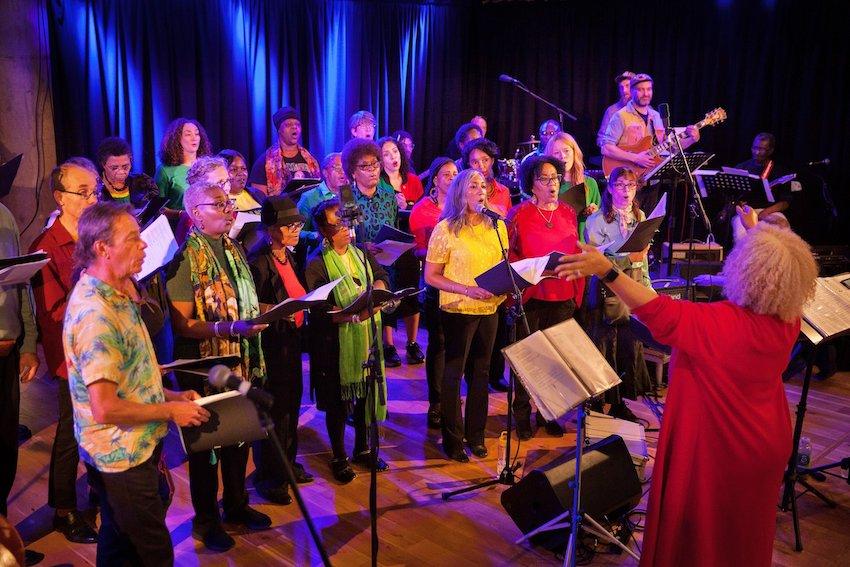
column 489, row 213
column 824, row 161
column 508, row 79
column 221, row 377
column 668, row 121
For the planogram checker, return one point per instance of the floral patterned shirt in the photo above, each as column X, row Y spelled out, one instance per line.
column 105, row 339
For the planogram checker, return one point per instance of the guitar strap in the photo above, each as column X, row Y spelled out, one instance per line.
column 652, row 130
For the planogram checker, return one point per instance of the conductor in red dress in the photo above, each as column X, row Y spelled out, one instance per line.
column 726, row 436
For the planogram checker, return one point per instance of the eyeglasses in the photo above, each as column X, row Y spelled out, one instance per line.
column 222, row 206
column 369, row 166
column 625, row 185
column 223, row 183
column 295, row 225
column 549, row 132
column 335, row 228
column 555, row 180
column 86, row 195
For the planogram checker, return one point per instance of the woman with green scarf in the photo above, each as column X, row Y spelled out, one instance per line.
column 340, row 344
column 212, row 299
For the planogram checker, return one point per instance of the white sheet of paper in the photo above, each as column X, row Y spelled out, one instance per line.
column 21, row 273
column 241, row 220
column 531, row 269
column 161, row 246
column 829, row 310
column 582, row 356
column 391, row 250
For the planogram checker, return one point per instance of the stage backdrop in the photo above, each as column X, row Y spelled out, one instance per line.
column 128, row 67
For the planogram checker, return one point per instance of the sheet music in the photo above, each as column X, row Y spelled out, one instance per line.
column 161, row 246
column 241, row 220
column 21, row 273
column 292, row 305
column 579, row 352
column 207, row 362
column 391, row 250
column 829, row 311
column 551, row 383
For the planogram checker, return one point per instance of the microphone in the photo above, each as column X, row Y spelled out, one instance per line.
column 508, row 79
column 221, row 377
column 668, row 122
column 824, row 161
column 489, row 213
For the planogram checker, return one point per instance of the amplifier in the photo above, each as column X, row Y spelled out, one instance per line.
column 832, row 260
column 701, row 251
column 674, row 287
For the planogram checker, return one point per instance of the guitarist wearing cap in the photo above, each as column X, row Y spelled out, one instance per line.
column 634, row 124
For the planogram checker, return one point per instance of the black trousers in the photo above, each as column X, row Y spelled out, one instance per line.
column 65, row 457
column 435, row 353
column 497, row 359
column 467, row 337
column 285, row 383
column 132, row 516
column 540, row 315
column 10, row 408
column 335, row 415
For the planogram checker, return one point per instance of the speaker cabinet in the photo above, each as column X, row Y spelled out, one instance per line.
column 609, row 487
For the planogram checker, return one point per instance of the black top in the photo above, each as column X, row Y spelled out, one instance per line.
column 780, row 192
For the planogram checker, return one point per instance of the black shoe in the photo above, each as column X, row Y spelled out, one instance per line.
column 342, row 471
column 435, row 417
column 391, row 358
column 301, row 475
column 364, row 460
column 458, row 455
column 74, row 527
column 523, row 429
column 215, row 539
column 499, row 384
column 32, row 557
column 415, row 354
column 622, row 411
column 276, row 495
column 553, row 428
column 249, row 518
column 479, row 450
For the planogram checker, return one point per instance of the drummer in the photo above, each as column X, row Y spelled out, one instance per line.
column 548, row 129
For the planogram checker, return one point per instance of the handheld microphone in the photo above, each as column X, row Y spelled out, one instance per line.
column 221, row 377
column 507, row 79
column 489, row 213
column 824, row 161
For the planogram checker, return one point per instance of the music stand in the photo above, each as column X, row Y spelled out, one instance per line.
column 674, row 166
column 732, row 185
column 8, row 172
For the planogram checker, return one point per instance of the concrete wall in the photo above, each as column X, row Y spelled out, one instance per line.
column 26, row 110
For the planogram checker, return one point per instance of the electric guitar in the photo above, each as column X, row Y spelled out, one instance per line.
column 668, row 144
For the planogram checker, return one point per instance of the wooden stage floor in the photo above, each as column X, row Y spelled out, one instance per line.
column 416, row 527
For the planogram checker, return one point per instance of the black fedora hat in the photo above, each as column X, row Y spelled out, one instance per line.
column 280, row 210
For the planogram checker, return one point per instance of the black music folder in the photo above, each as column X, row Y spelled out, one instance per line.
column 380, row 297
column 233, row 419
column 8, row 172
column 526, row 273
column 575, row 197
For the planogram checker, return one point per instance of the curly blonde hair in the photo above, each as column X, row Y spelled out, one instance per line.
column 771, row 271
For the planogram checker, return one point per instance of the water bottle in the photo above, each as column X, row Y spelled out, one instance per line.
column 502, row 452
column 804, row 452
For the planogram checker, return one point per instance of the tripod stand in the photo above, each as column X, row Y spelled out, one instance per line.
column 515, row 312
column 796, row 473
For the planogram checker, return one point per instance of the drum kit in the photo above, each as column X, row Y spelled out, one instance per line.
column 509, row 168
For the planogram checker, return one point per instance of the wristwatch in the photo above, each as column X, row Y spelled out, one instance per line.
column 612, row 274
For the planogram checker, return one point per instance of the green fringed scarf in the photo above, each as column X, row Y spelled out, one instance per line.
column 354, row 338
column 215, row 300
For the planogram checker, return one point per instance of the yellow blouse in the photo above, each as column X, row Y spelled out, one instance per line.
column 470, row 253
column 245, row 202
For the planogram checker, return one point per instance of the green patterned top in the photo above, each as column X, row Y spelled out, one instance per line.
column 105, row 339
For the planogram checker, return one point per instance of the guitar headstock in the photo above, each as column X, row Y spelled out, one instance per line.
column 715, row 116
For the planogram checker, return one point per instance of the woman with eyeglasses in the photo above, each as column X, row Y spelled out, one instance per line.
column 340, row 344
column 565, row 149
column 184, row 141
column 277, row 278
column 463, row 245
column 213, row 298
column 609, row 318
column 376, row 198
column 115, row 159
column 423, row 218
column 538, row 227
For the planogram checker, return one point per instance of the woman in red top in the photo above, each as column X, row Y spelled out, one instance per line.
column 395, row 170
column 481, row 155
column 537, row 227
column 726, row 436
column 423, row 218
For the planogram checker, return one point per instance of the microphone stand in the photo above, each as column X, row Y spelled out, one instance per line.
column 375, row 388
column 696, row 202
column 515, row 312
column 561, row 112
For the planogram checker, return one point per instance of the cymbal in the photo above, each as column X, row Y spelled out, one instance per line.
column 531, row 142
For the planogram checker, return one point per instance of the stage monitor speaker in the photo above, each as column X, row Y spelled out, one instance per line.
column 609, row 487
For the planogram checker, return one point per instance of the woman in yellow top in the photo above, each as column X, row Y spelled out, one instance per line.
column 463, row 245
